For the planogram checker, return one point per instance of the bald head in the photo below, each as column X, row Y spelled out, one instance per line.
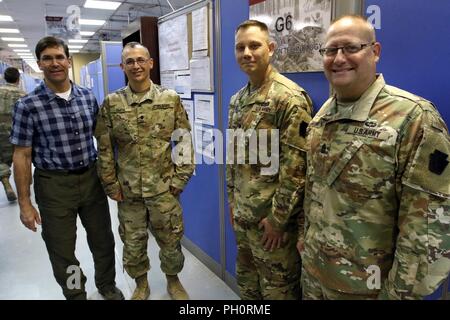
column 365, row 29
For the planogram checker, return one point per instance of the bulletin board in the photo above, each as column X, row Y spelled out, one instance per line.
column 186, row 49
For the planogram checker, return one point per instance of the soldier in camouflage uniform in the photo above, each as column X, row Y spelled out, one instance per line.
column 377, row 199
column 264, row 207
column 138, row 121
column 9, row 94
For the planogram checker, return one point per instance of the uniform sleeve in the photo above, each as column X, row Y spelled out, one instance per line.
column 106, row 165
column 229, row 166
column 22, row 127
column 184, row 149
column 422, row 253
column 288, row 198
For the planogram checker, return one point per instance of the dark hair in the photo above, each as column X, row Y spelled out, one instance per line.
column 135, row 44
column 50, row 42
column 253, row 23
column 11, row 75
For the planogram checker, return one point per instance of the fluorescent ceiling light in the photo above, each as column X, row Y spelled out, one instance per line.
column 34, row 66
column 25, row 54
column 74, row 51
column 6, row 30
column 13, row 39
column 6, row 18
column 87, row 33
column 21, row 50
column 105, row 5
column 17, row 45
column 92, row 22
column 75, row 47
column 78, row 40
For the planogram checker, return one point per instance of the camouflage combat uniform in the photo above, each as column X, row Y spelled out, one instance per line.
column 9, row 94
column 138, row 127
column 278, row 104
column 377, row 199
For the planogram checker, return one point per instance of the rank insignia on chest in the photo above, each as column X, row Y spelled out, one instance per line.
column 263, row 107
column 374, row 133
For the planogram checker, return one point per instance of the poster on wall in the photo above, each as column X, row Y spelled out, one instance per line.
column 173, row 44
column 298, row 27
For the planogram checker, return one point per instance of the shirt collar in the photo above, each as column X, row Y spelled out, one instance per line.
column 260, row 95
column 132, row 98
column 75, row 92
column 360, row 109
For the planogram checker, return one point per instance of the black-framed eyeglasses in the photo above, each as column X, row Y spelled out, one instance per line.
column 140, row 61
column 347, row 49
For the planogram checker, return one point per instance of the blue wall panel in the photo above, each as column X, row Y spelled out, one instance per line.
column 116, row 78
column 415, row 53
column 201, row 203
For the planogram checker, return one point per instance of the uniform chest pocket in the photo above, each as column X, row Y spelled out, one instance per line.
column 361, row 173
column 158, row 120
column 123, row 125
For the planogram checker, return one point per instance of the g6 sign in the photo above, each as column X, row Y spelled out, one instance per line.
column 283, row 23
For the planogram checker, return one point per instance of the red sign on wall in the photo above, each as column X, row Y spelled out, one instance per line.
column 252, row 2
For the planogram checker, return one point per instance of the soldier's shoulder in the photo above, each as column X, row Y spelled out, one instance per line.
column 165, row 92
column 240, row 92
column 283, row 84
column 416, row 106
column 408, row 99
column 115, row 96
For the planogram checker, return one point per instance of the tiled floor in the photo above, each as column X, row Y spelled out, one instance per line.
column 25, row 271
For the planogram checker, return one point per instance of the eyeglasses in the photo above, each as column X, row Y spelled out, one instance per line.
column 140, row 61
column 47, row 60
column 347, row 49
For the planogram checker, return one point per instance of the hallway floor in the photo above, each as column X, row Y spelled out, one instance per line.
column 25, row 270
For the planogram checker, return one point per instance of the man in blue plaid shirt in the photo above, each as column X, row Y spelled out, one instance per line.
column 53, row 128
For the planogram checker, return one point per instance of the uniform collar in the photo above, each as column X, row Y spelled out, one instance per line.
column 360, row 109
column 261, row 94
column 133, row 98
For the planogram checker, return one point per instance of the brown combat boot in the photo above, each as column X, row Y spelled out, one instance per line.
column 142, row 291
column 10, row 194
column 175, row 288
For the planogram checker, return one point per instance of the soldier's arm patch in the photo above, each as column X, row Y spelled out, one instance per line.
column 302, row 129
column 438, row 162
column 429, row 170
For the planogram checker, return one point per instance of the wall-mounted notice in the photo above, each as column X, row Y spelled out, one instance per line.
column 201, row 74
column 200, row 29
column 189, row 107
column 168, row 80
column 173, row 44
column 204, row 109
column 183, row 84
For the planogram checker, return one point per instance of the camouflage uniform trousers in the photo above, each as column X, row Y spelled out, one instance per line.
column 163, row 214
column 313, row 290
column 6, row 153
column 262, row 274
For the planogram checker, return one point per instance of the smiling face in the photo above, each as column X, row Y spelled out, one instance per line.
column 55, row 65
column 351, row 74
column 136, row 63
column 253, row 51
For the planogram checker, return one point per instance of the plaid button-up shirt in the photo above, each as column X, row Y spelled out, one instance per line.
column 59, row 131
